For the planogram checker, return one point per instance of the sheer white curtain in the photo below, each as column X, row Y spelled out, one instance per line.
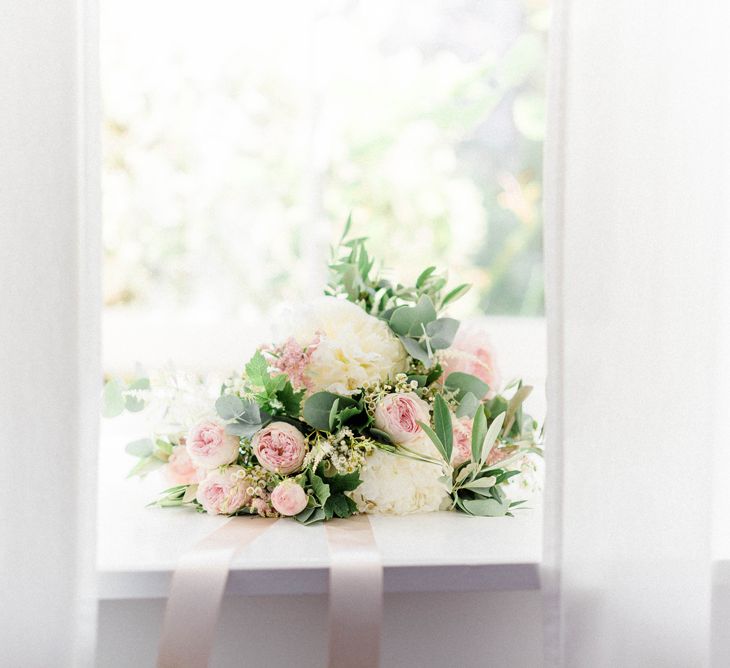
column 49, row 273
column 636, row 210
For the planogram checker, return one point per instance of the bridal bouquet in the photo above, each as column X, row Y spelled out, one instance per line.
column 376, row 402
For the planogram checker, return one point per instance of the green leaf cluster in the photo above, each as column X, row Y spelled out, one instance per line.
column 329, row 499
column 115, row 397
column 274, row 394
column 151, row 455
column 352, row 276
column 329, row 412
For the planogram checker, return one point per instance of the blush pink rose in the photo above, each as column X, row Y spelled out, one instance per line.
column 279, row 447
column 223, row 491
column 472, row 353
column 209, row 446
column 398, row 416
column 180, row 470
column 462, row 428
column 288, row 498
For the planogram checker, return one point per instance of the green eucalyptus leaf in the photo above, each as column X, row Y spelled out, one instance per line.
column 415, row 350
column 229, row 406
column 481, row 483
column 317, row 408
column 442, row 332
column 402, row 320
column 242, row 429
column 112, row 399
column 145, row 465
column 425, row 310
column 135, row 404
column 143, row 447
column 466, row 382
column 485, row 507
column 467, row 406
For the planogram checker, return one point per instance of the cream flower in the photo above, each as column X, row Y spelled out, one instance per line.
column 395, row 485
column 354, row 348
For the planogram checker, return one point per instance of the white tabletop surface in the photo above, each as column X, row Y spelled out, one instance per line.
column 138, row 547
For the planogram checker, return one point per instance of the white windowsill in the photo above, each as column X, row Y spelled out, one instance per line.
column 138, row 551
column 138, row 547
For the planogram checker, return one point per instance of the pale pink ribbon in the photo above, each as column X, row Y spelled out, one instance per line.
column 196, row 593
column 356, row 594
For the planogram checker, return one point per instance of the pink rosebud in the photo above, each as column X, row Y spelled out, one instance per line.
column 209, row 446
column 279, row 447
column 462, row 428
column 223, row 491
column 472, row 353
column 288, row 498
column 180, row 470
column 398, row 416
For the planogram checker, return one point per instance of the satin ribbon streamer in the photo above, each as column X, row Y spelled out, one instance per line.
column 198, row 584
column 356, row 594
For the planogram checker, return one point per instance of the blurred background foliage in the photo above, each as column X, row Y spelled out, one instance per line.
column 238, row 136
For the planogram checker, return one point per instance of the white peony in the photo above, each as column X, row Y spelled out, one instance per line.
column 394, row 485
column 354, row 348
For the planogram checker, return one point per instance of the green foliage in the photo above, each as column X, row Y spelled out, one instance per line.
column 229, row 406
column 411, row 312
column 344, row 482
column 468, row 406
column 491, row 438
column 112, row 399
column 327, row 411
column 331, row 500
column 116, row 397
column 478, row 434
column 444, row 428
column 274, row 394
column 143, row 447
column 464, row 383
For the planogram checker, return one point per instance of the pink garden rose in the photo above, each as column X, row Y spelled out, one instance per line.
column 180, row 470
column 398, row 416
column 472, row 353
column 209, row 446
column 288, row 498
column 223, row 491
column 462, row 428
column 280, row 448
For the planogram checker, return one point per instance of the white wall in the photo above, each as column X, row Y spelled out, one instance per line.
column 48, row 334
